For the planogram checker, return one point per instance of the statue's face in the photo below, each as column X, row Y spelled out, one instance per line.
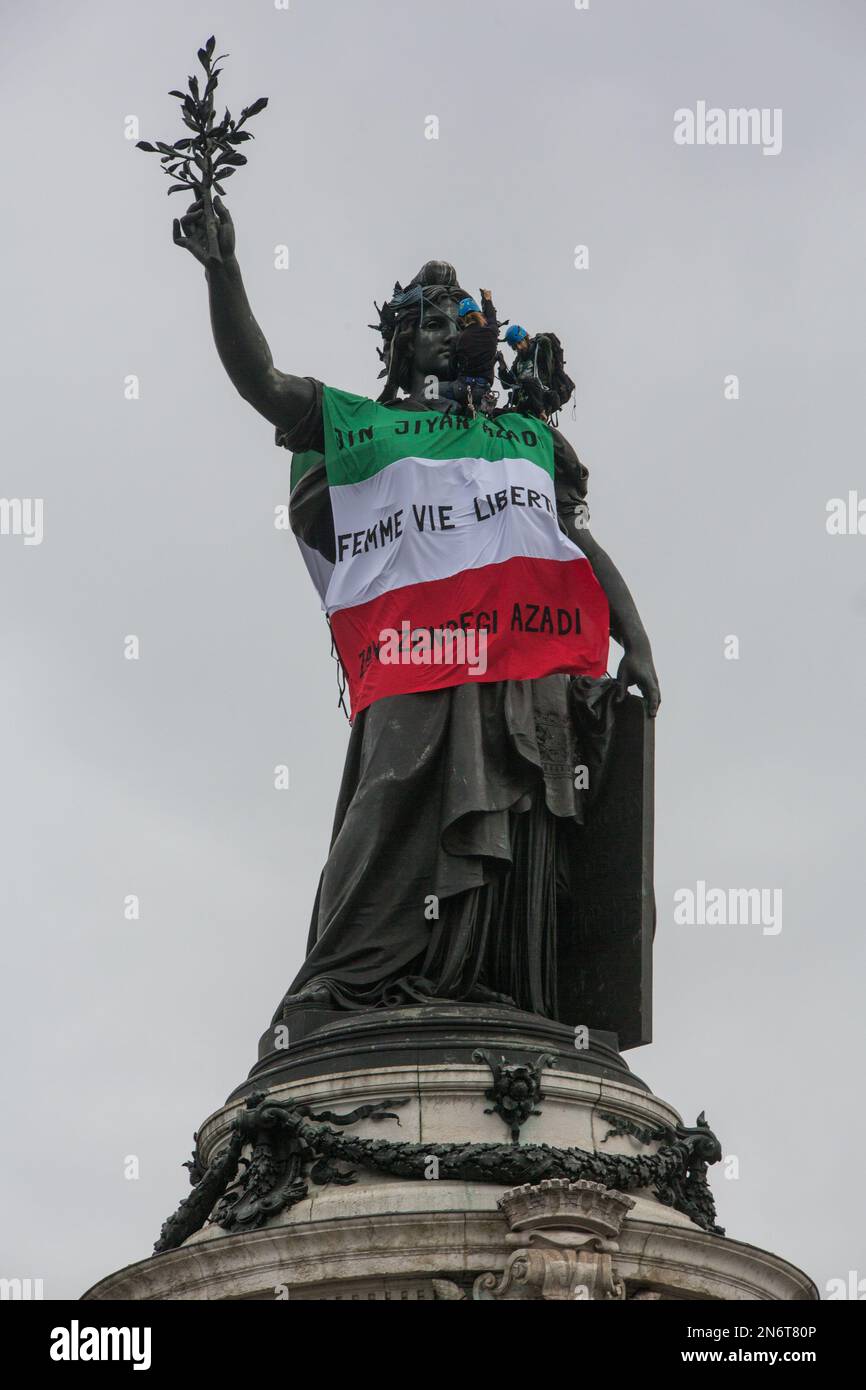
column 433, row 351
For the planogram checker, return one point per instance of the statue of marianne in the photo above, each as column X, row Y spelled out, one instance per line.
column 458, row 817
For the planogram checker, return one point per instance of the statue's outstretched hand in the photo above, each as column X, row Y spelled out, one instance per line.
column 190, row 231
column 636, row 668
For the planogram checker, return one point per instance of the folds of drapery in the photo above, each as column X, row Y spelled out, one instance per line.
column 456, row 823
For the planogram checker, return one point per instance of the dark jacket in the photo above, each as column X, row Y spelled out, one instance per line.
column 477, row 345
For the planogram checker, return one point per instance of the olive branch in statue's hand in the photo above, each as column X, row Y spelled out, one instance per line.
column 201, row 162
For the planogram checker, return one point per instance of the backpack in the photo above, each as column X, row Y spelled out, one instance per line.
column 555, row 379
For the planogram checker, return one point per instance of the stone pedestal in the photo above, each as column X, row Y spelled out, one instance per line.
column 373, row 1158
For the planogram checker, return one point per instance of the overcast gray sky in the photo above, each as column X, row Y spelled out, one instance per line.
column 155, row 776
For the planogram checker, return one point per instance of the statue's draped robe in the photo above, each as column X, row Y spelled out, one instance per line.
column 458, row 816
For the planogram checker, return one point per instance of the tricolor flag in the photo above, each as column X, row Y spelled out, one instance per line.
column 450, row 562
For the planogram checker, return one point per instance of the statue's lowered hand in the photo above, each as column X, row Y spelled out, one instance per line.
column 636, row 668
column 190, row 231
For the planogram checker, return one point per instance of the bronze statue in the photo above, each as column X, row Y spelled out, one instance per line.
column 459, row 819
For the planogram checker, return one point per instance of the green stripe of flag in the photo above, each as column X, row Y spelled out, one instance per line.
column 302, row 463
column 362, row 437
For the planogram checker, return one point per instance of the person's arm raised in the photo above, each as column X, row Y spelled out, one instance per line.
column 242, row 346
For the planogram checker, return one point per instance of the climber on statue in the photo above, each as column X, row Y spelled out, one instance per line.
column 536, row 380
column 476, row 352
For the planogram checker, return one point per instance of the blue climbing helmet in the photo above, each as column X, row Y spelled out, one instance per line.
column 515, row 334
column 467, row 306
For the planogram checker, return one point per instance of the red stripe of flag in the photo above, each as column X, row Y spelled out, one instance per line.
column 529, row 609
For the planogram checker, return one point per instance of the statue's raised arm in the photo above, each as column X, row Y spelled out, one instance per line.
column 241, row 344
